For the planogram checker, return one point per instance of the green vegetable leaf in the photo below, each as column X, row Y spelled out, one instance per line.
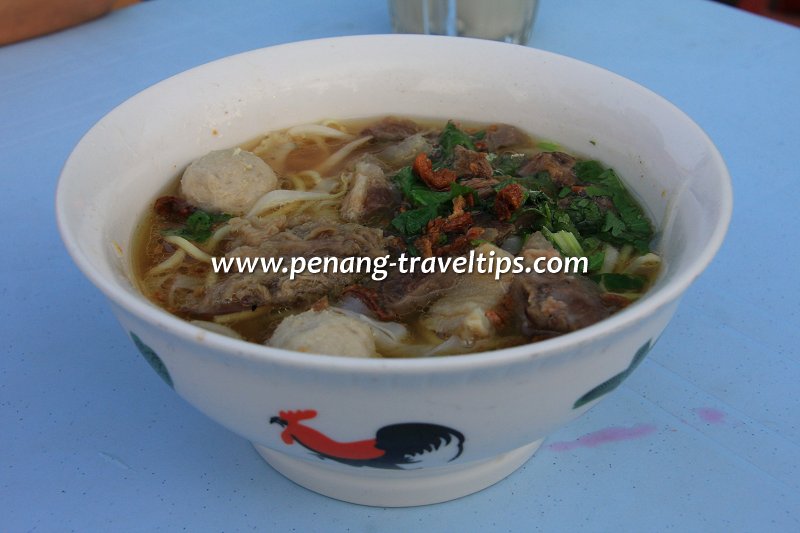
column 562, row 221
column 594, row 190
column 451, row 137
column 548, row 146
column 628, row 225
column 596, row 261
column 456, row 189
column 428, row 203
column 565, row 241
column 588, row 171
column 406, row 180
column 613, row 224
column 419, row 194
column 586, row 215
column 413, row 221
column 620, row 283
column 506, row 164
column 539, row 182
column 198, row 226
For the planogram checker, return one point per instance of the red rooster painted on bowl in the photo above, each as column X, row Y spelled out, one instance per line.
column 405, row 446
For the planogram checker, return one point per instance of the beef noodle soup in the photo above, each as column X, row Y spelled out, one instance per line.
column 394, row 237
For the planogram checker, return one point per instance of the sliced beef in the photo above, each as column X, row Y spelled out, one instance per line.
column 391, row 129
column 556, row 303
column 557, row 164
column 471, row 163
column 251, row 231
column 239, row 291
column 502, row 135
column 406, row 294
column 318, row 238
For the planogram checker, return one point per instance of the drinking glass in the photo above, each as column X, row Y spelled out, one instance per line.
column 500, row 20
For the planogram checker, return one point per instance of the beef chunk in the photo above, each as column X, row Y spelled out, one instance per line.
column 501, row 135
column 371, row 194
column 557, row 164
column 391, row 129
column 556, row 302
column 470, row 163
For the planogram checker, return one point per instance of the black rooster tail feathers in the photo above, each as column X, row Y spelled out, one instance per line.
column 419, row 444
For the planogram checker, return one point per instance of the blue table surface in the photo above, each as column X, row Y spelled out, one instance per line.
column 92, row 440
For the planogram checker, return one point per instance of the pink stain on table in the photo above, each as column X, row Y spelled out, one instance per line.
column 710, row 415
column 604, row 436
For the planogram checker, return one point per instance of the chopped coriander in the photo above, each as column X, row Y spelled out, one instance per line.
column 629, row 224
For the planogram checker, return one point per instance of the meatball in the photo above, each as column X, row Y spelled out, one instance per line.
column 324, row 332
column 227, row 181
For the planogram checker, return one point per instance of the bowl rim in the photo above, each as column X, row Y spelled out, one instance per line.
column 655, row 299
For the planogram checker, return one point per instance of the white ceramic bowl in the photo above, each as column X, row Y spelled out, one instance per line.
column 491, row 410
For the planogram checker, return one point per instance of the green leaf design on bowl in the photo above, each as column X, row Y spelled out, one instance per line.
column 614, row 382
column 153, row 359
